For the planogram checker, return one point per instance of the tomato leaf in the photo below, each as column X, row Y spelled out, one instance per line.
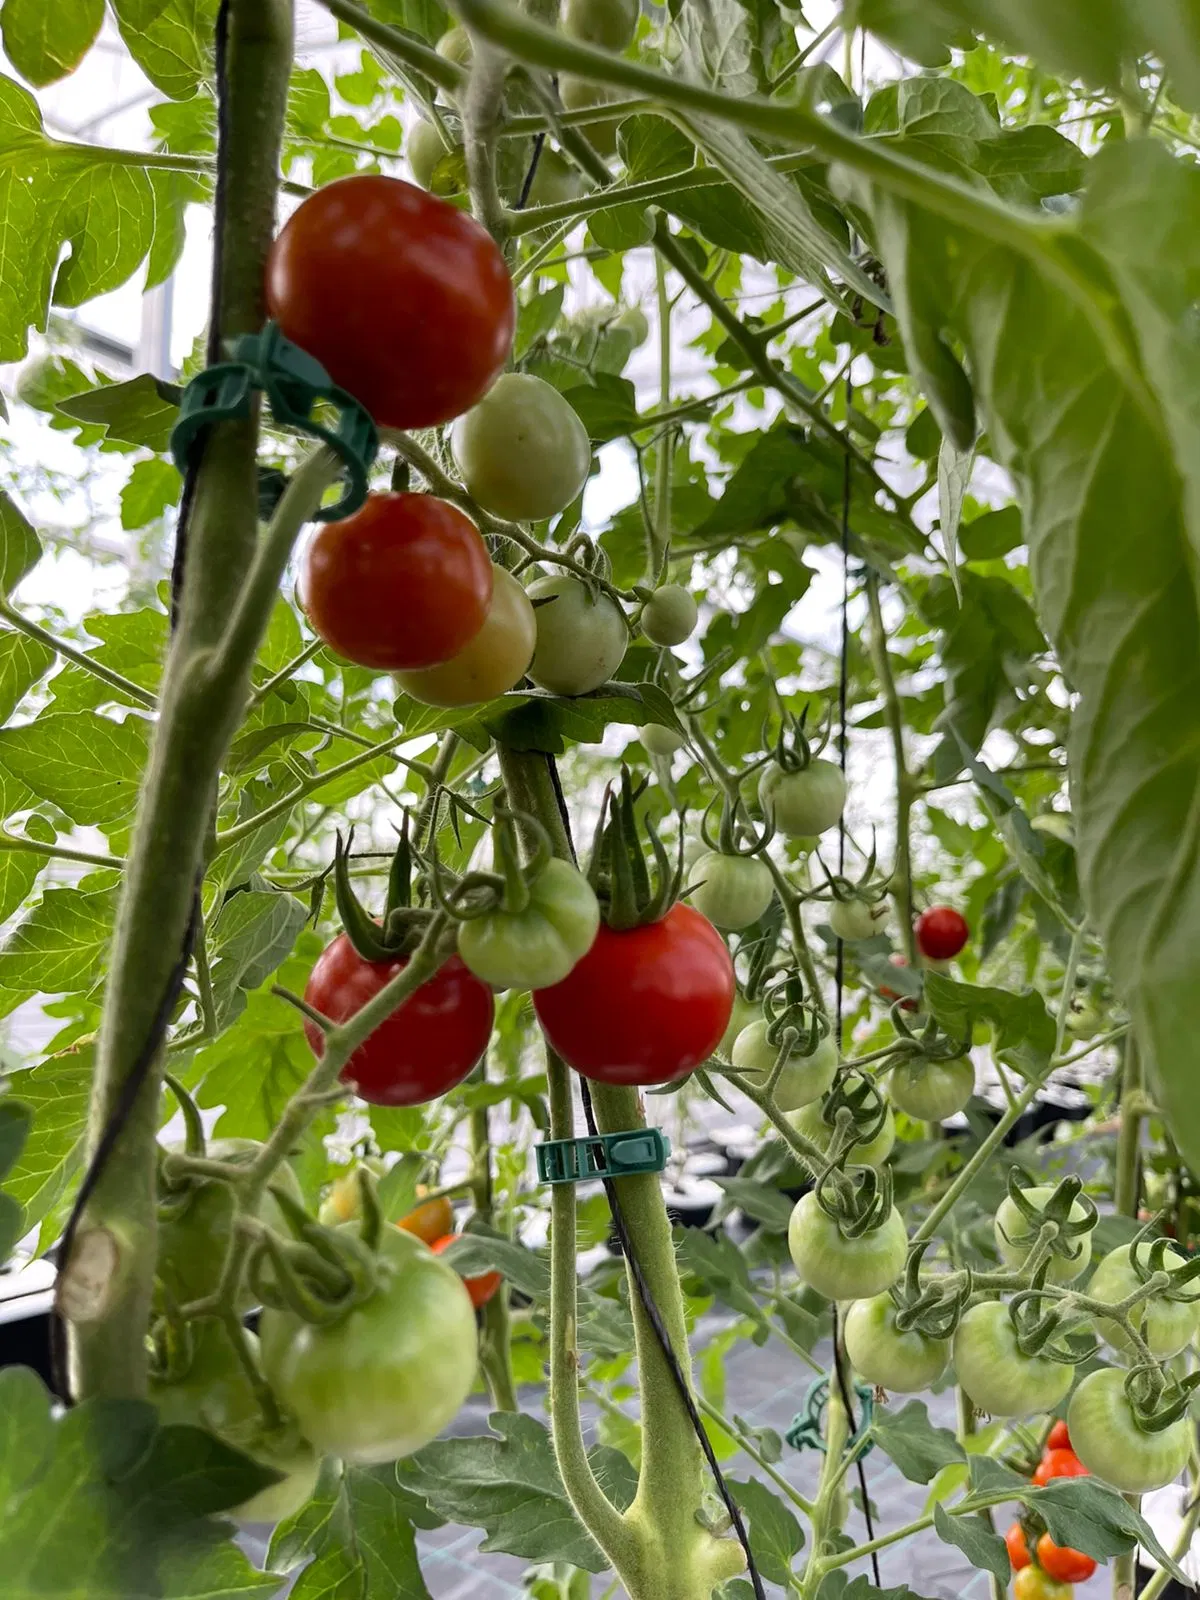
column 253, row 932
column 533, row 720
column 88, row 766
column 984, row 1549
column 171, row 40
column 1088, row 1515
column 45, row 45
column 776, row 1536
column 141, row 411
column 56, row 1094
column 356, row 1536
column 20, row 547
column 60, row 947
column 507, row 1483
column 759, row 1201
column 918, row 1448
column 1024, row 1029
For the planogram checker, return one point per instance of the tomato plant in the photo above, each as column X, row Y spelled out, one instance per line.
column 405, row 582
column 931, row 1090
column 1110, row 1440
column 805, row 1075
column 841, row 1267
column 804, row 802
column 429, row 321
column 731, row 891
column 425, row 1047
column 904, row 1360
column 538, row 945
column 644, row 1005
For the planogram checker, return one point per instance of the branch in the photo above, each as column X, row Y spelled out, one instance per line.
column 902, row 889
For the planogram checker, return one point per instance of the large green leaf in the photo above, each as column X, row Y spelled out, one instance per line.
column 89, row 766
column 56, row 1093
column 20, row 547
column 171, row 40
column 1094, row 318
column 254, row 932
column 101, row 1504
column 46, row 41
column 22, row 662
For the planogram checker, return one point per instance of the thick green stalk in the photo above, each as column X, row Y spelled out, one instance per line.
column 495, row 1351
column 1125, row 1200
column 902, row 891
column 197, row 718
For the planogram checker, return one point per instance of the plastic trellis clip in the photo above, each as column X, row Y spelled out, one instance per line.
column 607, row 1155
column 293, row 382
column 806, row 1432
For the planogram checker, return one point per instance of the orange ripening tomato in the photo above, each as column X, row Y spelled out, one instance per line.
column 1059, row 1438
column 1063, row 1563
column 1018, row 1549
column 430, row 1221
column 483, row 1286
column 1059, row 1464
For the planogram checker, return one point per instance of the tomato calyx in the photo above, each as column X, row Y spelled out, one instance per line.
column 320, row 1273
column 1052, row 1227
column 630, row 894
column 794, row 749
column 404, row 923
column 1048, row 1333
column 858, row 1205
column 855, row 1111
column 932, row 1308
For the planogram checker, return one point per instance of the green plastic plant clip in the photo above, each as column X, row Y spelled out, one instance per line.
column 807, row 1430
column 606, row 1155
column 295, row 385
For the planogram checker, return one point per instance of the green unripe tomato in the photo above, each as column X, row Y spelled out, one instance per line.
column 1015, row 1238
column 804, row 1079
column 805, row 802
column 523, row 452
column 534, row 948
column 1107, row 1438
column 904, row 1362
column 577, row 94
column 866, row 1153
column 660, row 741
column 424, row 150
column 554, row 181
column 841, row 1268
column 611, row 24
column 455, row 45
column 931, row 1090
column 744, row 1012
column 855, row 919
column 581, row 635
column 634, row 321
column 670, row 616
column 1167, row 1326
column 996, row 1376
column 386, row 1377
column 731, row 891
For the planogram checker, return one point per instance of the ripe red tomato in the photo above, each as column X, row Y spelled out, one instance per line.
column 1063, row 1563
column 1018, row 1550
column 404, row 299
column 1059, row 1438
column 643, row 1006
column 483, row 1286
column 941, row 933
column 1059, row 1464
column 405, row 582
column 425, row 1047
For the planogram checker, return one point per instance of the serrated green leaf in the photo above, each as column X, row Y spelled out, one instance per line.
column 89, row 766
column 152, row 486
column 607, row 408
column 253, row 933
column 1024, row 1030
column 507, row 1483
column 20, row 547
column 60, row 947
column 46, row 42
column 918, row 1448
column 56, row 1092
column 983, row 1548
column 22, row 662
column 141, row 411
column 16, row 1119
column 534, row 720
column 171, row 40
column 776, row 1536
column 484, row 1250
column 133, row 643
column 1089, row 1515
column 760, row 1201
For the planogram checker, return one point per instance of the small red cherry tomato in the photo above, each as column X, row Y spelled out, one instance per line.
column 405, row 582
column 483, row 1286
column 941, row 933
column 1018, row 1550
column 1059, row 1464
column 646, row 1005
column 425, row 1047
column 1060, row 1561
column 1059, row 1438
column 403, row 299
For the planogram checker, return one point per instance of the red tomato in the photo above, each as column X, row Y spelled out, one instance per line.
column 941, row 932
column 405, row 582
column 1018, row 1550
column 483, row 1286
column 643, row 1006
column 404, row 299
column 425, row 1047
column 1059, row 1438
column 1059, row 1464
column 1063, row 1563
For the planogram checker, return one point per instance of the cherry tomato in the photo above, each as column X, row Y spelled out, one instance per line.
column 424, row 149
column 1031, row 1583
column 554, row 181
column 431, row 1220
column 802, row 803
column 1063, row 1563
column 805, row 1076
column 1110, row 1442
column 633, row 319
column 841, row 1268
column 495, row 660
column 1015, row 1237
column 425, row 1047
column 523, row 452
column 1018, row 1549
column 577, row 94
column 386, row 1377
column 995, row 1375
column 670, row 615
column 1059, row 1437
column 660, row 741
column 931, row 1090
column 873, row 1152
column 404, row 299
column 855, row 919
column 1058, row 1464
column 404, row 582
column 731, row 891
column 645, row 1005
column 538, row 946
column 941, row 932
column 581, row 635
column 1167, row 1326
column 608, row 23
column 483, row 1286
column 905, row 1362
